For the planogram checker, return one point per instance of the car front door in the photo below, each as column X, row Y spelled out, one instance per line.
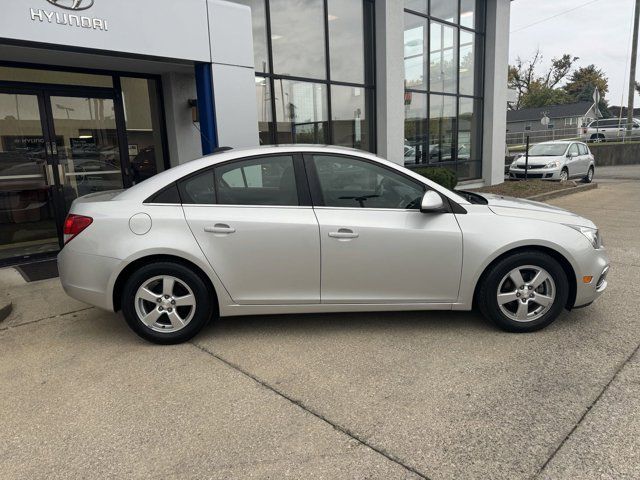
column 573, row 160
column 254, row 222
column 377, row 247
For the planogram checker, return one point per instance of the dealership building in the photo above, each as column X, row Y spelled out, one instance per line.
column 101, row 94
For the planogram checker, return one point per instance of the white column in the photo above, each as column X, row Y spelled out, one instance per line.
column 182, row 135
column 234, row 87
column 495, row 91
column 390, row 79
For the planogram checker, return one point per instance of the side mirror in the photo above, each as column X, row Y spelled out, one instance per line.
column 431, row 203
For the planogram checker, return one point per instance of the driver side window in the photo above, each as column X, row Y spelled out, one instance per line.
column 573, row 150
column 349, row 182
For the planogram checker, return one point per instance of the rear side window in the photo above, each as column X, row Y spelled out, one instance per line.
column 168, row 195
column 257, row 181
column 198, row 189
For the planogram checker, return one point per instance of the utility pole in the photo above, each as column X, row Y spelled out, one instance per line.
column 632, row 72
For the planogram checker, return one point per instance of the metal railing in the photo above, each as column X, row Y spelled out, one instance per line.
column 520, row 138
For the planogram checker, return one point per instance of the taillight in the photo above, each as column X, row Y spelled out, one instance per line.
column 73, row 225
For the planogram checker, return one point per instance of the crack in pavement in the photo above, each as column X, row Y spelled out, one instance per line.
column 31, row 322
column 585, row 413
column 298, row 403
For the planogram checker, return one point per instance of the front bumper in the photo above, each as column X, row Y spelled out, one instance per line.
column 596, row 267
column 86, row 277
column 535, row 173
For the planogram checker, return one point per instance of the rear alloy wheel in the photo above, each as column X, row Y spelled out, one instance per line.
column 564, row 175
column 166, row 303
column 589, row 177
column 524, row 292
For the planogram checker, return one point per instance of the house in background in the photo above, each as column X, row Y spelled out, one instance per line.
column 565, row 121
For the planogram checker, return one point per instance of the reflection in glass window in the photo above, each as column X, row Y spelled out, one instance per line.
column 416, row 128
column 445, row 10
column 444, row 58
column 421, row 6
column 350, row 120
column 144, row 129
column 301, row 111
column 297, row 38
column 265, row 117
column 442, row 121
column 257, row 181
column 415, row 48
column 353, row 183
column 469, row 171
column 468, row 13
column 469, row 115
column 467, row 63
column 346, row 40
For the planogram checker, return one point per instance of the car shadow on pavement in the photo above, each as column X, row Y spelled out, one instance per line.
column 373, row 322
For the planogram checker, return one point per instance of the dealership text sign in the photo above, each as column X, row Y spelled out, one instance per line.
column 69, row 19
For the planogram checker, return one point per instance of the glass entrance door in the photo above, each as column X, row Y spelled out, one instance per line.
column 54, row 148
column 86, row 147
column 27, row 185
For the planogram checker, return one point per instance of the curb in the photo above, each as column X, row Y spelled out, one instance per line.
column 561, row 193
column 6, row 307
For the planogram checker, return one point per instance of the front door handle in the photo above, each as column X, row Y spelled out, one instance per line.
column 220, row 228
column 344, row 233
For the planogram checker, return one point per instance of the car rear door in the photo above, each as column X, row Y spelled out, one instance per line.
column 377, row 247
column 254, row 222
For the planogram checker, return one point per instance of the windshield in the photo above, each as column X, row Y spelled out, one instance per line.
column 548, row 150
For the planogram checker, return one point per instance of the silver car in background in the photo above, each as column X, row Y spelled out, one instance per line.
column 557, row 160
column 611, row 130
column 304, row 229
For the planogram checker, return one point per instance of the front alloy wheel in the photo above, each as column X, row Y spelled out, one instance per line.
column 564, row 175
column 523, row 292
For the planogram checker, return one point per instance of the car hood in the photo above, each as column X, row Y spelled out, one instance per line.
column 517, row 207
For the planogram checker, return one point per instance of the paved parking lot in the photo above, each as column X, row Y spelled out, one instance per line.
column 410, row 395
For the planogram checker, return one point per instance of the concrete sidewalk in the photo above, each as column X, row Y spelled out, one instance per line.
column 391, row 395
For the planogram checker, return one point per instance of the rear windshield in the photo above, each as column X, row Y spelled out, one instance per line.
column 548, row 149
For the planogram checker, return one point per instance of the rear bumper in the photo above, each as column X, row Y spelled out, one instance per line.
column 598, row 268
column 85, row 277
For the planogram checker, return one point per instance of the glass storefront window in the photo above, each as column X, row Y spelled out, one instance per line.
column 143, row 124
column 415, row 48
column 444, row 58
column 445, row 10
column 265, row 117
column 298, row 38
column 469, row 114
column 350, row 110
column 259, row 23
column 346, row 40
column 442, row 128
column 416, row 128
column 301, row 111
column 467, row 63
column 468, row 13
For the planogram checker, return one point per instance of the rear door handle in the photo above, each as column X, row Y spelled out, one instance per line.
column 220, row 228
column 344, row 233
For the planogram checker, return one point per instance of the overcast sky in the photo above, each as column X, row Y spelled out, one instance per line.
column 598, row 32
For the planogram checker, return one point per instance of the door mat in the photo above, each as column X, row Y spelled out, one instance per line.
column 32, row 272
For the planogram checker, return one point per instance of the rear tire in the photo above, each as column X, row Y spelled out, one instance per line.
column 514, row 308
column 166, row 303
column 589, row 177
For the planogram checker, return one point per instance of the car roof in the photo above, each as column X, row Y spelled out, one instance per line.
column 144, row 190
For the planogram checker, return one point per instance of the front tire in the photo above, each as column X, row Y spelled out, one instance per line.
column 564, row 174
column 524, row 292
column 166, row 303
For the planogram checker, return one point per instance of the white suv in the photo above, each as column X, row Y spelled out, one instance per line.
column 610, row 129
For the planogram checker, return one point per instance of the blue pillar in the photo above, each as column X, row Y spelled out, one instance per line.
column 206, row 108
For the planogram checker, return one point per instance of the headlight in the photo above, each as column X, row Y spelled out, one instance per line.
column 554, row 164
column 592, row 234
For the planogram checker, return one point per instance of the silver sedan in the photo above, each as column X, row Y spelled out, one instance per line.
column 278, row 230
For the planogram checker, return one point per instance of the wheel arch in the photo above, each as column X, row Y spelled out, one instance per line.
column 559, row 257
column 149, row 259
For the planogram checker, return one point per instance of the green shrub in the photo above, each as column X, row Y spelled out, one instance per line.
column 442, row 176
